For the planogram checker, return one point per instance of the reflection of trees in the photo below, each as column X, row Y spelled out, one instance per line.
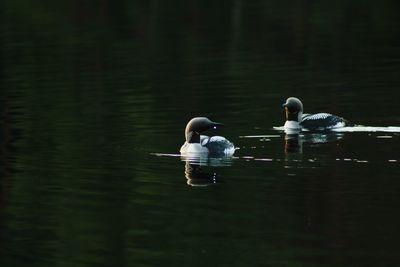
column 163, row 47
column 6, row 138
column 75, row 75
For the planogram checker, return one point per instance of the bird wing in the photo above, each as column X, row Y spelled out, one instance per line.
column 321, row 121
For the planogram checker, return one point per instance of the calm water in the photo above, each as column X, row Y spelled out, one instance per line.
column 94, row 98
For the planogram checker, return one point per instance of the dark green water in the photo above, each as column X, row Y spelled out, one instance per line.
column 90, row 91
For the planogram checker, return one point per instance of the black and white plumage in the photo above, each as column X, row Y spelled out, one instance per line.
column 203, row 144
column 296, row 120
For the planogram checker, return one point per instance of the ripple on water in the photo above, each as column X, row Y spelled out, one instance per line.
column 357, row 128
column 360, row 128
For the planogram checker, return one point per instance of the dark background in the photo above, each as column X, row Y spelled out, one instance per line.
column 90, row 89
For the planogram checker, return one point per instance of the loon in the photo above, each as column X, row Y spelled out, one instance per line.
column 202, row 144
column 296, row 120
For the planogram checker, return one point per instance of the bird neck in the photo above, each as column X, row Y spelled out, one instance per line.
column 193, row 138
column 294, row 116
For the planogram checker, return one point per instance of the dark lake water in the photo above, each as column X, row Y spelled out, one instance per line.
column 94, row 99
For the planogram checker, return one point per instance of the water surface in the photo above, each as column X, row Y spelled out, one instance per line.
column 94, row 99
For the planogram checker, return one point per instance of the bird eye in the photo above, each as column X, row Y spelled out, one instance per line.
column 215, row 127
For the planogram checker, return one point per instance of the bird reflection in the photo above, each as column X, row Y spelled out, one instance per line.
column 203, row 170
column 294, row 143
column 197, row 177
column 293, row 150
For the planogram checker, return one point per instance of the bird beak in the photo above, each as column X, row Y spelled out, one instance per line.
column 284, row 105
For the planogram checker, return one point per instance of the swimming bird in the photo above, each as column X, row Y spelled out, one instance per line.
column 296, row 120
column 202, row 144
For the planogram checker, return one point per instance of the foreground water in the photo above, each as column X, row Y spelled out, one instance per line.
column 93, row 104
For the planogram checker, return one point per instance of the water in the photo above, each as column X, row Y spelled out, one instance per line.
column 94, row 99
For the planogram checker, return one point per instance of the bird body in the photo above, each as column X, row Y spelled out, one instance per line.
column 203, row 144
column 296, row 120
